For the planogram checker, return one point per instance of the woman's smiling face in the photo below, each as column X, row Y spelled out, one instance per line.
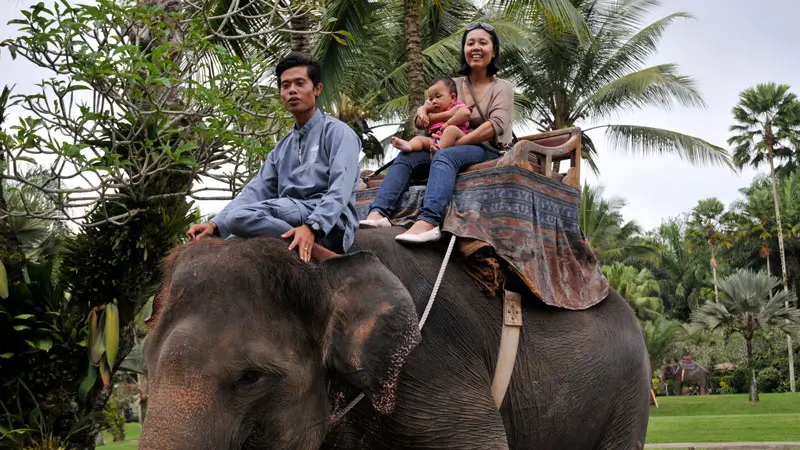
column 478, row 49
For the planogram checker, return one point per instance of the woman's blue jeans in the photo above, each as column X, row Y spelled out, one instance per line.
column 444, row 169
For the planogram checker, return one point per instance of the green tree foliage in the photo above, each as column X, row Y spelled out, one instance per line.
column 569, row 80
column 748, row 304
column 638, row 287
column 612, row 239
column 660, row 337
column 680, row 271
column 135, row 113
column 709, row 225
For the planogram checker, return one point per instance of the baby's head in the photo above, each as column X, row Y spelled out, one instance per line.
column 442, row 93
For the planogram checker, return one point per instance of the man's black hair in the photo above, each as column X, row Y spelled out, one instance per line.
column 494, row 65
column 451, row 85
column 297, row 59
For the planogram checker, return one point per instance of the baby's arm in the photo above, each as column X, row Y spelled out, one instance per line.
column 460, row 115
column 423, row 111
column 443, row 116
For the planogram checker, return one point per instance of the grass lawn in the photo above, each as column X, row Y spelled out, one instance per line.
column 710, row 418
column 132, row 433
column 725, row 418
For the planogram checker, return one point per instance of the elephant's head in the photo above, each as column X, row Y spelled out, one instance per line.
column 244, row 335
column 667, row 373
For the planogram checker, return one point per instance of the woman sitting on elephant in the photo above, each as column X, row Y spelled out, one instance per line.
column 492, row 101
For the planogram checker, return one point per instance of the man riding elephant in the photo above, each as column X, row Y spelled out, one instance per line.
column 306, row 188
column 251, row 348
column 686, row 372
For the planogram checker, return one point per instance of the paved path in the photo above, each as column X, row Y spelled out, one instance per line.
column 728, row 445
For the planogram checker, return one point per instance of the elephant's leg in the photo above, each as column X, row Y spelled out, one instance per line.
column 432, row 411
column 424, row 426
column 459, row 416
column 624, row 432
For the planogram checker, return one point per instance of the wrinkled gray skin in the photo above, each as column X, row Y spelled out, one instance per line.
column 240, row 359
column 698, row 375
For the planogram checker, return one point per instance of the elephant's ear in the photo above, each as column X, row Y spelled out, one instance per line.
column 374, row 326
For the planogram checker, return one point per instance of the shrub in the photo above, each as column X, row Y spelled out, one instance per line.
column 770, row 380
column 113, row 419
column 741, row 381
column 727, row 384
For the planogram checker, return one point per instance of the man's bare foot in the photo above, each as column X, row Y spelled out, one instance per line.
column 401, row 144
column 420, row 227
column 374, row 215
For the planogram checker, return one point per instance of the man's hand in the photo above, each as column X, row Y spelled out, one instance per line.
column 201, row 230
column 303, row 240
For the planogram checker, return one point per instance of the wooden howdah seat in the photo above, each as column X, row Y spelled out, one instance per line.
column 515, row 216
column 540, row 153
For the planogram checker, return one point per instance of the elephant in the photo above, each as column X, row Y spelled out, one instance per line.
column 689, row 372
column 252, row 348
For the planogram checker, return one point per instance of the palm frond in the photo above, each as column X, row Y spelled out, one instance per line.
column 646, row 141
column 561, row 14
column 442, row 59
column 635, row 51
column 589, row 153
column 764, row 106
column 339, row 59
column 748, row 303
column 655, row 86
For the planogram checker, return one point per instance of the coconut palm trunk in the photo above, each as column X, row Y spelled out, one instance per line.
column 770, row 138
column 301, row 41
column 416, row 74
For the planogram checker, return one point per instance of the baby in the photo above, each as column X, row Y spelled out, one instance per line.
column 453, row 116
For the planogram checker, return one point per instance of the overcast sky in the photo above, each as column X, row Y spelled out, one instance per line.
column 728, row 47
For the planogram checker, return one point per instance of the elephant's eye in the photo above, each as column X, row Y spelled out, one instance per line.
column 249, row 377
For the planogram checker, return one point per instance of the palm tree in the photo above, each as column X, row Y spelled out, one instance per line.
column 767, row 116
column 756, row 215
column 638, row 287
column 746, row 307
column 611, row 238
column 706, row 226
column 559, row 13
column 680, row 271
column 659, row 337
column 37, row 238
column 567, row 80
column 400, row 45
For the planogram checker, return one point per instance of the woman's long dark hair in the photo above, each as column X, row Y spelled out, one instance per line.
column 494, row 65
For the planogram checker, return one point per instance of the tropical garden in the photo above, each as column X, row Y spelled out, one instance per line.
column 150, row 108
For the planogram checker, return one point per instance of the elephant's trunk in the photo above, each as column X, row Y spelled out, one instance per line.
column 178, row 415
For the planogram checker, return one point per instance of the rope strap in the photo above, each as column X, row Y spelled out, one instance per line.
column 422, row 320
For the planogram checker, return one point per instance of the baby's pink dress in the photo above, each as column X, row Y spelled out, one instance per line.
column 463, row 127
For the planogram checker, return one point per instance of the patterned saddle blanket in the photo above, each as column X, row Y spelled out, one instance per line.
column 509, row 219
